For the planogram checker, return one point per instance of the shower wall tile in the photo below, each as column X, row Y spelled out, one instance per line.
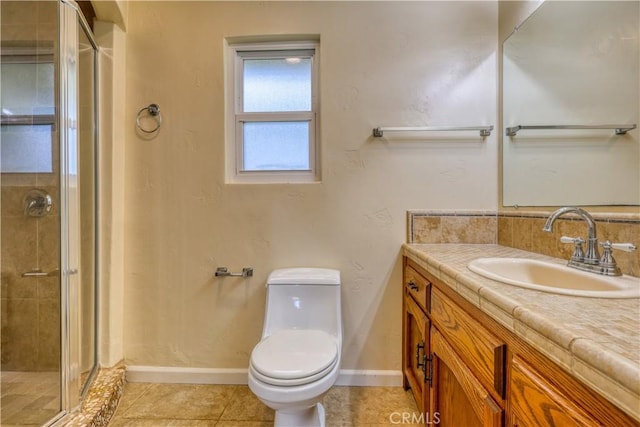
column 21, row 332
column 46, row 9
column 12, row 199
column 14, row 180
column 48, row 336
column 36, row 23
column 49, row 287
column 21, row 288
column 13, row 11
column 19, row 244
column 30, row 306
column 4, row 331
column 48, row 243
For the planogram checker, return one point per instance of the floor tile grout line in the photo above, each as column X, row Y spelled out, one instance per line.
column 145, row 391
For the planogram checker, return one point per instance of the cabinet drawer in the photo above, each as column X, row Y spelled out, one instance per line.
column 482, row 351
column 417, row 286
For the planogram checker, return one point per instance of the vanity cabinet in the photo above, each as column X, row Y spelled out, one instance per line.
column 444, row 385
column 465, row 369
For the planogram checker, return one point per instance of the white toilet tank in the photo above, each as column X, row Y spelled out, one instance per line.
column 303, row 298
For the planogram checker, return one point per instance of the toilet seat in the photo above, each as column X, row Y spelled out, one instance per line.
column 294, row 357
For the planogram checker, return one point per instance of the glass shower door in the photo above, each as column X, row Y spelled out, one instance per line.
column 87, row 192
column 78, row 159
column 48, row 183
column 30, row 370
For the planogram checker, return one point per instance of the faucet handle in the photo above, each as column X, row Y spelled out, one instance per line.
column 627, row 247
column 578, row 252
column 576, row 240
column 607, row 262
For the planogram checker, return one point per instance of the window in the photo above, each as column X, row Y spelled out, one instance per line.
column 27, row 108
column 273, row 120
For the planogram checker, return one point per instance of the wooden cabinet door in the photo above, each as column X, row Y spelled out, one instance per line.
column 457, row 397
column 536, row 402
column 416, row 343
column 480, row 350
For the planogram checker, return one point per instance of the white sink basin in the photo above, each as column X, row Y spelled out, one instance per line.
column 555, row 278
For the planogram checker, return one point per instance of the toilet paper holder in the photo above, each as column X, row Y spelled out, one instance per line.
column 224, row 272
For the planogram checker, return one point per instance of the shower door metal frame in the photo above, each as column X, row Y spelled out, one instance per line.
column 84, row 26
column 71, row 22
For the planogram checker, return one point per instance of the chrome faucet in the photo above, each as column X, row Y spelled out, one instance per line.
column 591, row 260
column 591, row 257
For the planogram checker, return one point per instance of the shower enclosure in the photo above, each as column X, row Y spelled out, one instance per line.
column 48, row 210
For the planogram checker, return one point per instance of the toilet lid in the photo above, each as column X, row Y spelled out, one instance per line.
column 294, row 353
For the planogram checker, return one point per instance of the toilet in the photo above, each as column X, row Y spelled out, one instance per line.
column 298, row 357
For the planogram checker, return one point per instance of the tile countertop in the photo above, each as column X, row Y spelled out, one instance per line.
column 596, row 339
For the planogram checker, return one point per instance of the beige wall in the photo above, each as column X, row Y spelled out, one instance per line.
column 382, row 63
column 114, row 11
column 112, row 120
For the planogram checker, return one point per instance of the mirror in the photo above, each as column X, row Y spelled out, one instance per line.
column 573, row 64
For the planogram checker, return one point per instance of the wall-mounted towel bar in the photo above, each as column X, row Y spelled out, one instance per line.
column 379, row 131
column 620, row 129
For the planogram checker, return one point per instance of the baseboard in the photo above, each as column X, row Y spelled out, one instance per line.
column 168, row 374
column 164, row 374
column 369, row 378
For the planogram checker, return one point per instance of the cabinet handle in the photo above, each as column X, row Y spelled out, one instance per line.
column 413, row 286
column 428, row 376
column 420, row 360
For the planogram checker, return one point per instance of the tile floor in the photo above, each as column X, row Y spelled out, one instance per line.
column 186, row 405
column 28, row 398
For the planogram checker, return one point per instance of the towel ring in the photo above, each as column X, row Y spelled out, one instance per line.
column 152, row 110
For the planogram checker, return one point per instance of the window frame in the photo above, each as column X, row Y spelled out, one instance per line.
column 236, row 116
column 43, row 53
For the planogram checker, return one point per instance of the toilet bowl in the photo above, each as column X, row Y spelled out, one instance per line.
column 298, row 358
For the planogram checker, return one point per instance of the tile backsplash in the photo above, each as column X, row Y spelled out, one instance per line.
column 523, row 230
column 451, row 227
